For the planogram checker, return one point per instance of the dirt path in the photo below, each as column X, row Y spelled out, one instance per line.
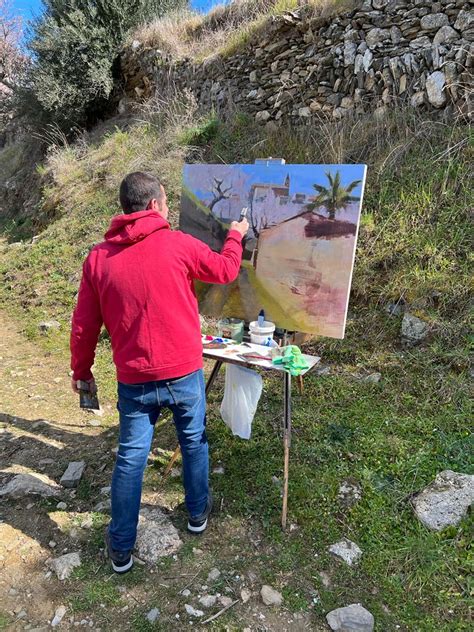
column 41, row 431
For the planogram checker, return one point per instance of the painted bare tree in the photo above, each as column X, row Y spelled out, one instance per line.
column 219, row 193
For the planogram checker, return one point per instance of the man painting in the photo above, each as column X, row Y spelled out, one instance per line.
column 139, row 284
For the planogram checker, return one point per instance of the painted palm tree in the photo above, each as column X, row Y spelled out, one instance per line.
column 334, row 197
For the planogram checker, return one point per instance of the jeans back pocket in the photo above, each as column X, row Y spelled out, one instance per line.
column 130, row 398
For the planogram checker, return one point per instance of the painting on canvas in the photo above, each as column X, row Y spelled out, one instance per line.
column 299, row 253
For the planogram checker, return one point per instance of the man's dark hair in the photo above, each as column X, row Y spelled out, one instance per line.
column 137, row 190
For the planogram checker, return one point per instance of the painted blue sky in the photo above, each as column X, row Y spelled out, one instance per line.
column 302, row 176
column 31, row 8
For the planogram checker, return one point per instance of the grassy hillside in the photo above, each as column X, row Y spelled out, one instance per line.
column 226, row 28
column 391, row 438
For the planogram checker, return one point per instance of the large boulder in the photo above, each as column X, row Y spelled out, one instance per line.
column 445, row 501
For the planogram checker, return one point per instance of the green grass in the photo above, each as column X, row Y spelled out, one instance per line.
column 5, row 620
column 94, row 593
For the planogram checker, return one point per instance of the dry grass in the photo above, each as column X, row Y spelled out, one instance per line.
column 225, row 28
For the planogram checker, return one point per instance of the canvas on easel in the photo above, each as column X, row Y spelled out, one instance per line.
column 299, row 253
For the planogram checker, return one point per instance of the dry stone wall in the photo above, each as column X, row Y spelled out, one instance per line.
column 382, row 53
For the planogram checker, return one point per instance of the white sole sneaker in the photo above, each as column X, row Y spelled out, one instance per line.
column 197, row 528
column 124, row 568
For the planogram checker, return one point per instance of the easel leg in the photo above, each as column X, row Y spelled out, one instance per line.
column 286, row 444
column 300, row 384
column 177, row 452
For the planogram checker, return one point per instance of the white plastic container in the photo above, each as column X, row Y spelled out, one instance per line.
column 261, row 335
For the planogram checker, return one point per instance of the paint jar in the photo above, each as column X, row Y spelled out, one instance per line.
column 262, row 335
column 231, row 328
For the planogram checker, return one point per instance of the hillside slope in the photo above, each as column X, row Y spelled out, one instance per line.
column 390, row 437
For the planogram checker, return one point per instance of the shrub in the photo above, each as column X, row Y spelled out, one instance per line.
column 74, row 46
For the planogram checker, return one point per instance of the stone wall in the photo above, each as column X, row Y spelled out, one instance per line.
column 382, row 53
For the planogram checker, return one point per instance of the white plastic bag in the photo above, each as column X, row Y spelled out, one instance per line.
column 243, row 388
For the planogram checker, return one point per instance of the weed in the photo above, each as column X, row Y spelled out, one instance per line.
column 94, row 593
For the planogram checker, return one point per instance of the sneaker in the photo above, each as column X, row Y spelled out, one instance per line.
column 122, row 561
column 199, row 523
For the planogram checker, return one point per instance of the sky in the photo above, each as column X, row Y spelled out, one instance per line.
column 31, row 8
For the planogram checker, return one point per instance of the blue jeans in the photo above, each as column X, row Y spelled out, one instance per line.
column 139, row 406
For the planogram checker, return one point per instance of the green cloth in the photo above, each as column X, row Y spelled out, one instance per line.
column 292, row 360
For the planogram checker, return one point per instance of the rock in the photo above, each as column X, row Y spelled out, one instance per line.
column 186, row 592
column 61, row 506
column 58, row 616
column 436, row 88
column 375, row 36
column 465, row 21
column 87, row 523
column 73, row 474
column 373, row 378
column 192, row 611
column 49, row 325
column 103, row 506
column 153, row 615
column 105, row 491
column 414, row 330
column 245, row 595
column 321, row 370
column 253, row 76
column 207, row 601
column 270, row 596
column 225, row 601
column 263, row 116
column 304, row 112
column 346, row 550
column 418, row 99
column 434, row 21
column 349, row 493
column 24, row 484
column 350, row 51
column 64, row 565
column 445, row 501
column 445, row 35
column 395, row 309
column 213, row 575
column 157, row 536
column 353, row 618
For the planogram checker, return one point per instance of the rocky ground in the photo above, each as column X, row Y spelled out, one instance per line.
column 181, row 580
column 243, row 573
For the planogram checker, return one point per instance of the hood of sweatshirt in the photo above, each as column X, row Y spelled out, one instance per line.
column 134, row 227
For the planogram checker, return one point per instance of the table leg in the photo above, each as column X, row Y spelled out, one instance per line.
column 176, row 453
column 286, row 443
column 215, row 370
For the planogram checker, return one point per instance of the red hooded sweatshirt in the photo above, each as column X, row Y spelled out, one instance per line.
column 139, row 283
